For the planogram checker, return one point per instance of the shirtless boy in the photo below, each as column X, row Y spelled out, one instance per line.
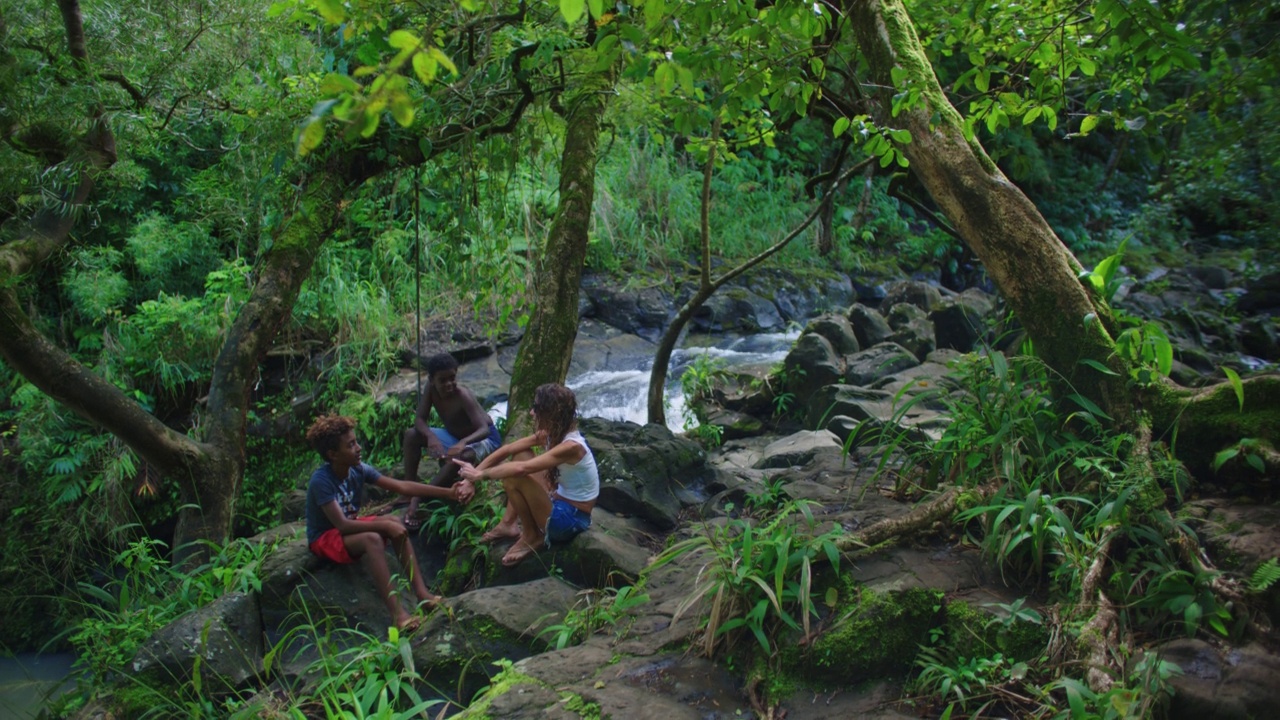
column 468, row 433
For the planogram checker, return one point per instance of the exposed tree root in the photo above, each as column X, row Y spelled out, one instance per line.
column 920, row 518
column 1099, row 634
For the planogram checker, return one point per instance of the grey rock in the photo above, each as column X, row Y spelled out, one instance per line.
column 798, row 449
column 642, row 467
column 226, row 636
column 913, row 292
column 876, row 362
column 837, row 330
column 869, row 326
column 960, row 321
column 912, row 329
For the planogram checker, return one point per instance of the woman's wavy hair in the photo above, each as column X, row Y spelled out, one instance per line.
column 556, row 409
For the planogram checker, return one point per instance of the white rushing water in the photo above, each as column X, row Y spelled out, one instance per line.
column 624, row 394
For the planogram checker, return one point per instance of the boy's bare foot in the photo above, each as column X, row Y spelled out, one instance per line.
column 411, row 520
column 517, row 553
column 409, row 624
column 500, row 533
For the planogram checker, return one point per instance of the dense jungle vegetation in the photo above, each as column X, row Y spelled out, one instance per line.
column 209, row 209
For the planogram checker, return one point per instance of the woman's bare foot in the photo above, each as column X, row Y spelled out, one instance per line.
column 499, row 533
column 518, row 552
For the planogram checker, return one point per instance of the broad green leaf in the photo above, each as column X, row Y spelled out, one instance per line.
column 665, row 77
column 1088, row 124
column 332, row 11
column 402, row 110
column 424, row 67
column 1222, row 456
column 403, row 40
column 1255, row 462
column 653, row 12
column 898, row 75
column 311, row 135
column 572, row 10
column 445, row 62
column 337, row 84
column 840, row 126
column 597, row 8
column 1234, row 379
column 1099, row 366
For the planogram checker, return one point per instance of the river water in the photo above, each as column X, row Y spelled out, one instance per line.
column 27, row 680
column 623, row 394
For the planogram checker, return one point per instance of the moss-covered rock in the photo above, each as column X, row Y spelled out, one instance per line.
column 879, row 636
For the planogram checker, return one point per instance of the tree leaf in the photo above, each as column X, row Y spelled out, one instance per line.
column 424, row 67
column 840, row 126
column 1088, row 124
column 332, row 11
column 572, row 10
column 1234, row 379
column 403, row 40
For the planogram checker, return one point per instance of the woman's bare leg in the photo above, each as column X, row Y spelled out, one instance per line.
column 532, row 506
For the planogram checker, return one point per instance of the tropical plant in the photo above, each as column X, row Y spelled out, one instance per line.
column 756, row 577
column 594, row 610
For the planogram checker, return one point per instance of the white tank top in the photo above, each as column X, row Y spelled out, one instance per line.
column 579, row 482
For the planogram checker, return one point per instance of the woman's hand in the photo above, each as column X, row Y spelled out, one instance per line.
column 468, row 471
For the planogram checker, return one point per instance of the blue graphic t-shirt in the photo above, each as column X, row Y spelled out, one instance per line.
column 326, row 486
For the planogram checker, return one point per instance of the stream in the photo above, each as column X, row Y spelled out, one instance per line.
column 623, row 393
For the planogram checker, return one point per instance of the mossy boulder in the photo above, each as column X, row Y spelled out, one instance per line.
column 878, row 637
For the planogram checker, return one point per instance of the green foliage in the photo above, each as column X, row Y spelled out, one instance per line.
column 594, row 611
column 757, row 577
column 700, row 378
column 150, row 593
column 356, row 674
column 1265, row 575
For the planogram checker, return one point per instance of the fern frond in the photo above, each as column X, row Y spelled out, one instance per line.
column 1265, row 576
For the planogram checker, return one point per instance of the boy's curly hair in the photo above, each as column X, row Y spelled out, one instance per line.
column 326, row 431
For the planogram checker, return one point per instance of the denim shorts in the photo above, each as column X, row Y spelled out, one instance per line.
column 566, row 522
column 480, row 447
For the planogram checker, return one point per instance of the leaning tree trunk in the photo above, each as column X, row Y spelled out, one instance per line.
column 1034, row 271
column 547, row 346
column 208, row 472
column 1038, row 276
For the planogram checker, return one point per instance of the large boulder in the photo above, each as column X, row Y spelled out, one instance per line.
column 598, row 346
column 643, row 311
column 737, row 309
column 222, row 641
column 912, row 329
column 489, row 624
column 798, row 449
column 1221, row 683
column 811, row 364
column 837, row 330
column 869, row 326
column 913, row 292
column 960, row 321
column 644, row 469
column 799, row 297
column 876, row 362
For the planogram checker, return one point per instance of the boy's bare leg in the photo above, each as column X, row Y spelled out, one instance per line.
column 367, row 547
column 412, row 446
column 448, row 474
column 409, row 561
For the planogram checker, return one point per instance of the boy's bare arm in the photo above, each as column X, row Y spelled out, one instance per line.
column 420, row 489
column 421, row 423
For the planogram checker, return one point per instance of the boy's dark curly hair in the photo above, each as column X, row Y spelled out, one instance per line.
column 440, row 363
column 326, row 431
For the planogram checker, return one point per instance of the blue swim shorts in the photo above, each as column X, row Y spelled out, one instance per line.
column 565, row 523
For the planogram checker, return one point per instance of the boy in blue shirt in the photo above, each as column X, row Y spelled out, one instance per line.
column 335, row 529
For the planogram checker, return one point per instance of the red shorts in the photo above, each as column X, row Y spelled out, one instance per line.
column 331, row 547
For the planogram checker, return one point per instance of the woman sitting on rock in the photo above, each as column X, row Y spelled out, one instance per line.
column 549, row 495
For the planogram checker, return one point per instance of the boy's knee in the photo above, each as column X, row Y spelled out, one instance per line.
column 468, row 455
column 411, row 436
